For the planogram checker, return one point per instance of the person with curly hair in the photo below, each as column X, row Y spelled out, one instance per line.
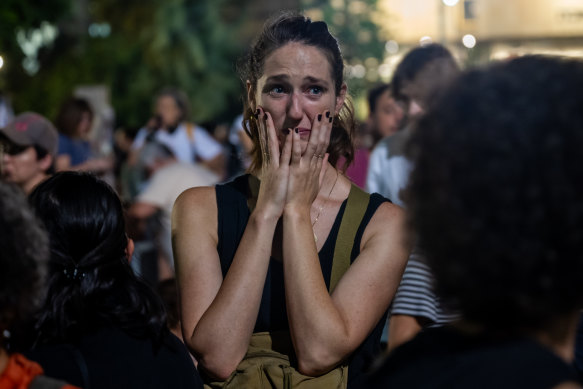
column 24, row 250
column 99, row 325
column 496, row 201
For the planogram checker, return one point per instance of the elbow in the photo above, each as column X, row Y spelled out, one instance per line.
column 215, row 365
column 215, row 368
column 317, row 362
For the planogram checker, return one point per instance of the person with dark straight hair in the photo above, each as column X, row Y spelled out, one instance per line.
column 74, row 123
column 496, row 202
column 292, row 261
column 100, row 326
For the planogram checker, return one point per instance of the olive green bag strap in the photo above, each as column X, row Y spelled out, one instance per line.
column 354, row 212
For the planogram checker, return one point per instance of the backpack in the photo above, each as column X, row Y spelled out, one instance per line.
column 267, row 364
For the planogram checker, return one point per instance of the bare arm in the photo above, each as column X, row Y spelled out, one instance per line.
column 402, row 328
column 218, row 316
column 96, row 165
column 327, row 329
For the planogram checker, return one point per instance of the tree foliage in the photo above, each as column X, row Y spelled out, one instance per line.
column 189, row 44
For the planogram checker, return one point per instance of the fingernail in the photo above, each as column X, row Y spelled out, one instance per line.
column 257, row 112
column 319, row 117
column 330, row 119
column 286, row 131
column 327, row 114
column 296, row 130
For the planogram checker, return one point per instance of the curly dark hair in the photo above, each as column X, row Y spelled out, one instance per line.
column 496, row 195
column 90, row 282
column 24, row 250
column 278, row 31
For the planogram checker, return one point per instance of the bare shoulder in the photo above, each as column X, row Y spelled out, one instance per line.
column 388, row 220
column 195, row 211
column 200, row 199
column 195, row 196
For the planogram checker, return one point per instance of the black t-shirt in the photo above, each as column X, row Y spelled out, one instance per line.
column 110, row 358
column 444, row 358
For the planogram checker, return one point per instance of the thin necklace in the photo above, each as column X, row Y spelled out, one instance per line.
column 322, row 207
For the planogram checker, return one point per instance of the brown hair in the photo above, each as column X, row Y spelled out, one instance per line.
column 70, row 115
column 278, row 31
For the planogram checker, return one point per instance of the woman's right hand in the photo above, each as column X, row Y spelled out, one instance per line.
column 274, row 169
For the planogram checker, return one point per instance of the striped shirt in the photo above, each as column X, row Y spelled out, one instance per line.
column 416, row 296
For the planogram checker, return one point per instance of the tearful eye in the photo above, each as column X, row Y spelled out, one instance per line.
column 277, row 90
column 315, row 90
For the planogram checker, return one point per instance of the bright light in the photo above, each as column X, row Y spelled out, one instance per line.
column 358, row 71
column 450, row 3
column 392, row 47
column 425, row 40
column 469, row 41
column 1, row 62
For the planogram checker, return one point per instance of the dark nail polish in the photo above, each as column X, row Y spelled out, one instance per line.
column 257, row 112
column 328, row 114
column 296, row 130
column 330, row 119
column 286, row 131
column 319, row 117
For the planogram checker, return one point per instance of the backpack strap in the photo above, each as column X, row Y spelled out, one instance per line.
column 356, row 206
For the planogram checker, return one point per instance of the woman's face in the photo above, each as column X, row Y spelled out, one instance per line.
column 295, row 87
column 84, row 126
column 168, row 110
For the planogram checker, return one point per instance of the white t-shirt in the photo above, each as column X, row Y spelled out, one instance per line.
column 388, row 168
column 184, row 147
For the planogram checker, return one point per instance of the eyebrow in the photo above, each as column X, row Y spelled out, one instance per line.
column 285, row 77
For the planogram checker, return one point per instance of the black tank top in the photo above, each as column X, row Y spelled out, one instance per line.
column 233, row 215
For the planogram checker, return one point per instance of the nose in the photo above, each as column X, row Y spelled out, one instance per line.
column 295, row 109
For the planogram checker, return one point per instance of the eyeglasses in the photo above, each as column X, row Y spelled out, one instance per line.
column 11, row 148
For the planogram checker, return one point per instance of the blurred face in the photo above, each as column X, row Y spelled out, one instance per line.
column 433, row 77
column 295, row 87
column 388, row 115
column 21, row 166
column 168, row 110
column 84, row 126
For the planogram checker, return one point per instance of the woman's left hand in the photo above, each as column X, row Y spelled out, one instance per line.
column 307, row 170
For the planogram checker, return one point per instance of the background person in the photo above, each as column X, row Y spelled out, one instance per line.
column 423, row 72
column 261, row 249
column 170, row 126
column 74, row 123
column 496, row 200
column 99, row 325
column 167, row 179
column 28, row 146
column 24, row 250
